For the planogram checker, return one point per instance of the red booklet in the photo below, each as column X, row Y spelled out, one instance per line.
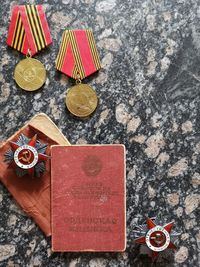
column 88, row 198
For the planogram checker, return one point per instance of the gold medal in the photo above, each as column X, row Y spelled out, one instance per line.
column 30, row 74
column 78, row 58
column 81, row 100
column 29, row 34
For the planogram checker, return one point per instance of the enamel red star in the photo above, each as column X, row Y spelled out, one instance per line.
column 157, row 237
column 27, row 156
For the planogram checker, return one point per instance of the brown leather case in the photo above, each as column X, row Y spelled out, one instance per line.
column 33, row 194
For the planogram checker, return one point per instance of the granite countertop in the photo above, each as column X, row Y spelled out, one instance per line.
column 149, row 92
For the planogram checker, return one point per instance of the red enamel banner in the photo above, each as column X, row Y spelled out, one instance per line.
column 28, row 29
column 78, row 56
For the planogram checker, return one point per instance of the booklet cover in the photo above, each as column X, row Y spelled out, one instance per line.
column 32, row 193
column 88, row 198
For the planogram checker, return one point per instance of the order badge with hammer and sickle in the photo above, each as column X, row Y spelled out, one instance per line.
column 27, row 156
column 155, row 236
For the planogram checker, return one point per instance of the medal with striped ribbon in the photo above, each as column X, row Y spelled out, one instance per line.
column 29, row 33
column 78, row 58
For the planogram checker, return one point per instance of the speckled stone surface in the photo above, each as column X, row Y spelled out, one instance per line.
column 149, row 92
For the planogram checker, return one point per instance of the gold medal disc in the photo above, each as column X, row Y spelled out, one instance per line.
column 30, row 74
column 81, row 100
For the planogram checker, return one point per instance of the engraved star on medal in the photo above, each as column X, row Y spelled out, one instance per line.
column 156, row 237
column 30, row 74
column 27, row 156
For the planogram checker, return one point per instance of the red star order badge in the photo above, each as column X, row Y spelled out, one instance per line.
column 156, row 237
column 27, row 156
